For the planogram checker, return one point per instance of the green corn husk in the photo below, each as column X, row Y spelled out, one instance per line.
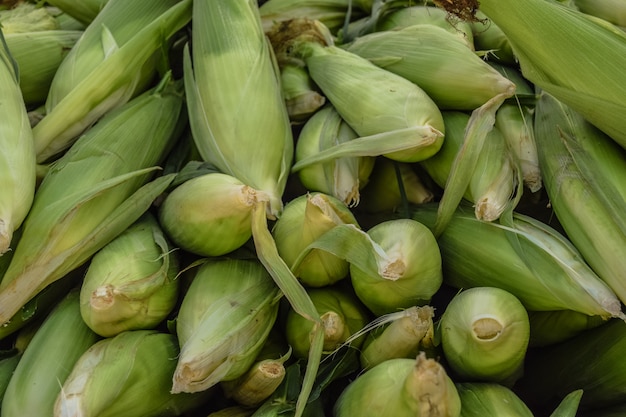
column 301, row 96
column 26, row 17
column 410, row 273
column 130, row 283
column 85, row 11
column 549, row 273
column 342, row 177
column 372, row 100
column 304, row 220
column 93, row 193
column 38, row 56
column 584, row 172
column 480, row 399
column 401, row 387
column 589, row 361
column 408, row 333
column 17, row 152
column 332, row 13
column 613, row 11
column 390, row 185
column 565, row 46
column 47, row 361
column 7, row 368
column 492, row 182
column 463, row 80
column 106, row 68
column 484, row 335
column 104, row 380
column 489, row 37
column 209, row 215
column 551, row 327
column 224, row 320
column 342, row 314
column 425, row 14
column 234, row 73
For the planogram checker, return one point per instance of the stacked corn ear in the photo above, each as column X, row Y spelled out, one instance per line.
column 588, row 361
column 493, row 181
column 342, row 315
column 131, row 282
column 564, row 46
column 551, row 327
column 390, row 185
column 400, row 335
column 613, row 11
column 47, row 360
column 529, row 259
column 304, row 220
column 426, row 14
column 237, row 75
column 584, row 173
column 462, row 81
column 302, row 97
column 17, row 151
column 401, row 387
column 372, row 100
column 84, row 11
column 223, row 322
column 103, row 381
column 94, row 192
column 484, row 335
column 111, row 63
column 479, row 399
column 491, row 40
column 340, row 177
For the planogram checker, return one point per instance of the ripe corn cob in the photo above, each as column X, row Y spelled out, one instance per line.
column 584, row 172
column 104, row 380
column 130, row 283
column 17, row 152
column 47, row 360
column 93, row 193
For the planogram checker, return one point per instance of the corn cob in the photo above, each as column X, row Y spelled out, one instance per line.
column 341, row 178
column 257, row 384
column 304, row 219
column 401, row 387
column 17, row 162
column 254, row 147
column 613, row 11
column 463, row 81
column 130, row 283
column 301, row 96
column 93, row 193
column 565, row 46
column 38, row 56
column 492, row 182
column 529, row 259
column 479, row 399
column 489, row 38
column 584, row 173
column 224, row 319
column 108, row 73
column 484, row 335
column 103, row 382
column 47, row 361
column 551, row 327
column 373, row 101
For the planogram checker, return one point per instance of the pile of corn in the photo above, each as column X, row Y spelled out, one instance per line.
column 312, row 208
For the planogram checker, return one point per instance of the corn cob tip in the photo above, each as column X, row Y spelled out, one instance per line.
column 284, row 35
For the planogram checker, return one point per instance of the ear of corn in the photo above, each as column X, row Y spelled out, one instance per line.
column 549, row 273
column 489, row 38
column 38, row 56
column 484, row 335
column 305, row 219
column 438, row 62
column 223, row 322
column 26, row 17
column 551, row 327
column 481, row 399
column 234, row 73
column 47, row 360
column 17, row 152
column 301, row 96
column 84, row 11
column 613, row 11
column 7, row 368
column 565, row 46
column 584, row 173
column 103, row 382
column 401, row 387
column 93, row 193
column 130, row 283
column 109, row 85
